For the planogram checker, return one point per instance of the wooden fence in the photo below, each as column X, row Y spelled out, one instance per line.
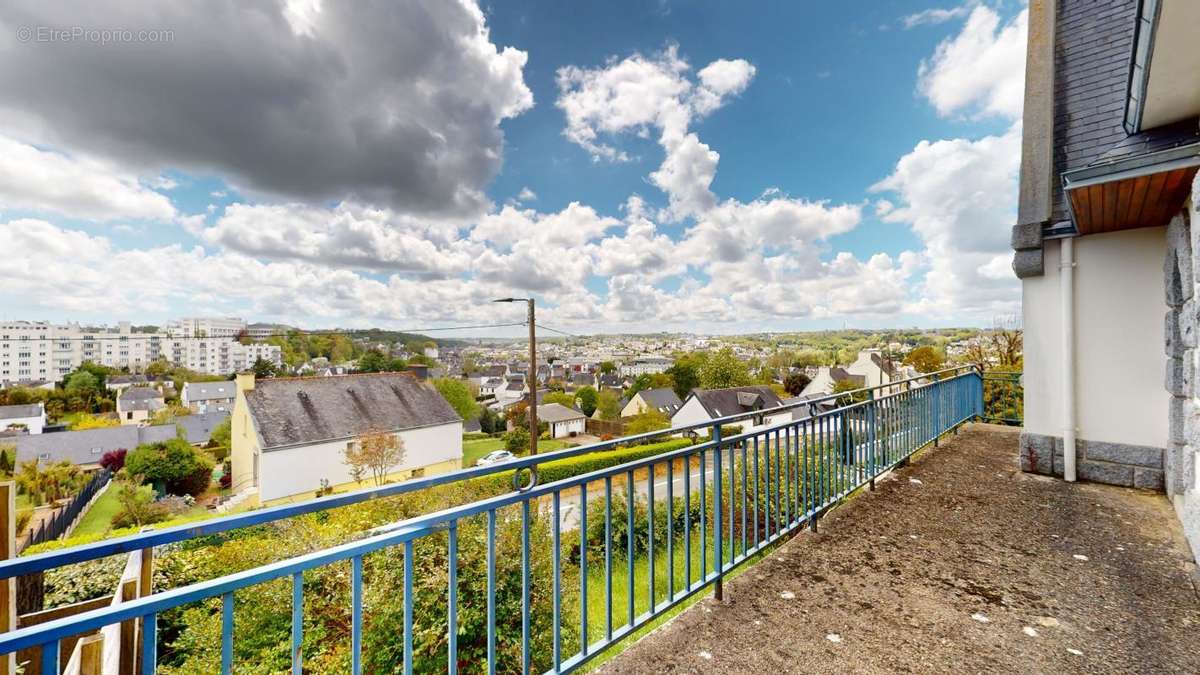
column 112, row 650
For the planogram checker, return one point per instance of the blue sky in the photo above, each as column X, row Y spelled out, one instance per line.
column 784, row 167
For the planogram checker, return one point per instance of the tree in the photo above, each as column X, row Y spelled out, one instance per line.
column 649, row 420
column 685, row 376
column 181, row 468
column 158, row 367
column 607, row 367
column 489, row 421
column 924, row 359
column 847, row 385
column 795, row 383
column 378, row 452
column 374, row 361
column 83, row 383
column 559, row 397
column 168, row 414
column 609, row 404
column 458, row 396
column 264, row 368
column 222, row 434
column 517, row 440
column 588, row 400
column 724, row 369
column 136, row 502
column 114, row 460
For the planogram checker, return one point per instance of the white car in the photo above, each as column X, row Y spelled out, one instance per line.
column 495, row 457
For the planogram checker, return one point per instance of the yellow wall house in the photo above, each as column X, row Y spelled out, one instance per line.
column 290, row 434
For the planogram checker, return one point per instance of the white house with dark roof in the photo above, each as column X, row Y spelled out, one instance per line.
column 290, row 434
column 703, row 405
column 137, row 404
column 563, row 421
column 28, row 418
column 202, row 397
column 664, row 400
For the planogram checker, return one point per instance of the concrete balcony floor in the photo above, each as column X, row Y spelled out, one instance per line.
column 957, row 563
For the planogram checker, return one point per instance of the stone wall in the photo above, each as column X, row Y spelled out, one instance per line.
column 1135, row 466
column 1182, row 270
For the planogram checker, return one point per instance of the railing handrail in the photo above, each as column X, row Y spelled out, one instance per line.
column 389, row 535
column 133, row 542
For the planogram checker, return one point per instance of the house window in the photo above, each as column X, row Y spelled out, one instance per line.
column 96, row 451
column 418, row 473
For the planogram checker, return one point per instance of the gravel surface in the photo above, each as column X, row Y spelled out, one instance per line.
column 957, row 563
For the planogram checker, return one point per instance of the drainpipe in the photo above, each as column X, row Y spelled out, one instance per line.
column 1067, row 277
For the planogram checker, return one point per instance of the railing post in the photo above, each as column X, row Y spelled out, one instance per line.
column 8, row 587
column 871, row 437
column 719, row 544
column 937, row 409
column 145, row 587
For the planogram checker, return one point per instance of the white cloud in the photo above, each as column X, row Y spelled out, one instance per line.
column 981, row 70
column 78, row 187
column 936, row 15
column 959, row 196
column 526, row 195
column 348, row 235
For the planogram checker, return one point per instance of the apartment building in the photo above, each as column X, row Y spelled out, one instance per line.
column 206, row 327
column 41, row 351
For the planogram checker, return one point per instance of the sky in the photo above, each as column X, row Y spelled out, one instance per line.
column 635, row 167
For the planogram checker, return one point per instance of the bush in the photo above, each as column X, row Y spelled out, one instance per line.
column 114, row 460
column 516, row 441
column 175, row 463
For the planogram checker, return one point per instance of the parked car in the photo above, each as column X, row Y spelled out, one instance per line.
column 496, row 457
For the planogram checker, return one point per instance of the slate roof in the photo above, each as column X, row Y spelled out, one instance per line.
column 88, row 446
column 839, row 374
column 141, row 398
column 12, row 412
column 495, row 371
column 664, row 399
column 303, row 410
column 735, row 400
column 557, row 412
column 199, row 428
column 209, row 391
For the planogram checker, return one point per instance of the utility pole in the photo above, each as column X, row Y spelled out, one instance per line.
column 531, row 376
column 531, row 382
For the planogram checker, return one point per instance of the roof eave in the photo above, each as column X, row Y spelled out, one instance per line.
column 1139, row 64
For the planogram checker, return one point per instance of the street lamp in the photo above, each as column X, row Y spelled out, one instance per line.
column 531, row 376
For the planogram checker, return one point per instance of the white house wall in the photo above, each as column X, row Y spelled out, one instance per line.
column 290, row 471
column 1119, row 361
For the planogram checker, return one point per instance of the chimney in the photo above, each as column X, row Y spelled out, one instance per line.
column 245, row 382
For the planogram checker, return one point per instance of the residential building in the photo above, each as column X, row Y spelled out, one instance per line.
column 664, row 400
column 202, row 397
column 290, row 434
column 563, row 421
column 137, row 404
column 198, row 428
column 826, row 377
column 119, row 383
column 206, row 327
column 1106, row 244
column 39, row 351
column 30, row 419
column 86, row 448
column 646, row 365
column 703, row 405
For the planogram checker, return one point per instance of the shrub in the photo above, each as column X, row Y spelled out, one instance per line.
column 516, row 441
column 137, row 503
column 175, row 463
column 114, row 460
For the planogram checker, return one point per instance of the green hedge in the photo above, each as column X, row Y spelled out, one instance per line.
column 575, row 466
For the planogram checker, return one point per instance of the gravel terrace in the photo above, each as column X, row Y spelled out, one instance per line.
column 957, row 563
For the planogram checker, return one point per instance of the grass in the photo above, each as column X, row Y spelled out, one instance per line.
column 98, row 519
column 474, row 449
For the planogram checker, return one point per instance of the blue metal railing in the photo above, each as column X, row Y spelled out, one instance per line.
column 754, row 488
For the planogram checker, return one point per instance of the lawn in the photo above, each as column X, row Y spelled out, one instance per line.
column 98, row 518
column 475, row 448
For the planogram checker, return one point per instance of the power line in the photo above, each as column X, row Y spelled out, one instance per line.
column 325, row 331
column 555, row 330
